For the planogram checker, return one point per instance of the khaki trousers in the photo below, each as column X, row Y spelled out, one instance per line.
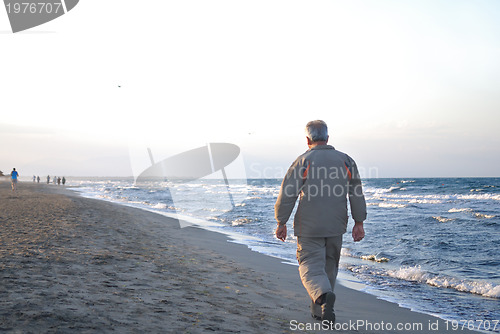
column 318, row 263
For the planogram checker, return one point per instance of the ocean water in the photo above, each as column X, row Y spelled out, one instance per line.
column 431, row 245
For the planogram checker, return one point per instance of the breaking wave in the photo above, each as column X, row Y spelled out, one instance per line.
column 443, row 219
column 459, row 210
column 391, row 205
column 416, row 274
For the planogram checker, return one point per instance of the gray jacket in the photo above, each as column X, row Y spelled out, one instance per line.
column 324, row 178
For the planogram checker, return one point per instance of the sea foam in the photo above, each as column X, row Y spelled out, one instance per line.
column 391, row 205
column 442, row 219
column 417, row 274
column 460, row 210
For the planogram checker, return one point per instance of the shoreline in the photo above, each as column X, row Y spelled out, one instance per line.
column 70, row 263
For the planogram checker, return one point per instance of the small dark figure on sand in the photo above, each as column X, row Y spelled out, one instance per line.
column 14, row 175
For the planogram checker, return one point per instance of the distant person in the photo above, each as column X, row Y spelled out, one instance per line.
column 63, row 180
column 14, row 175
column 38, row 179
column 324, row 178
column 34, row 178
column 54, row 180
column 58, row 181
column 48, row 179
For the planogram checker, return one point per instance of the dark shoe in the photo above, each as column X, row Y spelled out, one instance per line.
column 315, row 311
column 327, row 307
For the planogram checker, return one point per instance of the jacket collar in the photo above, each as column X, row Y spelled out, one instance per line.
column 322, row 147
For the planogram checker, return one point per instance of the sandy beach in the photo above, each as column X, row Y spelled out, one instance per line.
column 70, row 264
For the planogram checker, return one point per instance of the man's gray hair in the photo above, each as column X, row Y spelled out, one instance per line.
column 317, row 131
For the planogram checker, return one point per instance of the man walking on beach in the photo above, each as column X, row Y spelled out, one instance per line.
column 324, row 178
column 14, row 175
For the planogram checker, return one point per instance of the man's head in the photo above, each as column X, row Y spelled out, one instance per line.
column 317, row 133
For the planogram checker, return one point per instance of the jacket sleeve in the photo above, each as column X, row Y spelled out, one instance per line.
column 290, row 189
column 356, row 197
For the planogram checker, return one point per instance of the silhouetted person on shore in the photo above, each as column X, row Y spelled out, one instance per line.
column 63, row 180
column 38, row 179
column 14, row 175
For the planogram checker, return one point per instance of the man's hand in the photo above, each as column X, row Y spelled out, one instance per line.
column 358, row 232
column 281, row 232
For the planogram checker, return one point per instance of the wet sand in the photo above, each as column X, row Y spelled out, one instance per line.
column 70, row 264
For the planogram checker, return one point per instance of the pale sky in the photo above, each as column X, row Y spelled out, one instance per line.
column 408, row 88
